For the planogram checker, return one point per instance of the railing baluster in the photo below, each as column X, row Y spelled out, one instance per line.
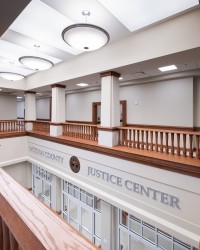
column 167, row 142
column 197, row 147
column 184, row 144
column 172, row 143
column 147, row 139
column 138, row 138
column 161, row 141
column 156, row 135
column 178, row 144
column 142, row 146
column 191, row 148
column 151, row 145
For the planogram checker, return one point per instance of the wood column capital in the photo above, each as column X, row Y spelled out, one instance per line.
column 110, row 73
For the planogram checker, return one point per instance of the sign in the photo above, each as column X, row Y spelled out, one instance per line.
column 135, row 187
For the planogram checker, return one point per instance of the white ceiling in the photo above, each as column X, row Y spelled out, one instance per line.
column 42, row 22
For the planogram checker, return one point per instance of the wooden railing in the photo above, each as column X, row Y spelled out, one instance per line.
column 185, row 143
column 81, row 131
column 26, row 223
column 11, row 126
column 41, row 126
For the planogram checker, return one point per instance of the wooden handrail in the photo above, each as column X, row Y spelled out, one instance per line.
column 32, row 224
column 82, row 124
column 178, row 142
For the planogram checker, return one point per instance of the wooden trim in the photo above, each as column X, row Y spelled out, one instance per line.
column 30, row 92
column 110, row 73
column 56, row 123
column 108, row 128
column 12, row 134
column 161, row 127
column 58, row 86
column 124, row 113
column 81, row 122
column 196, row 128
column 39, row 119
column 170, row 165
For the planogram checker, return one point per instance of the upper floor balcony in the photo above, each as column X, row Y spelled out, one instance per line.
column 175, row 150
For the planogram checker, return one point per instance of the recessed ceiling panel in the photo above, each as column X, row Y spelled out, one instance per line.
column 99, row 15
column 136, row 14
column 43, row 23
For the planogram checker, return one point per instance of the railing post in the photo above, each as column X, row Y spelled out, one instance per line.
column 191, row 148
column 197, row 146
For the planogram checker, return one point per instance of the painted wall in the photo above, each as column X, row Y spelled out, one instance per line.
column 20, row 109
column 160, row 103
column 197, row 102
column 79, row 105
column 43, row 108
column 8, row 107
column 21, row 172
column 12, row 150
column 120, row 186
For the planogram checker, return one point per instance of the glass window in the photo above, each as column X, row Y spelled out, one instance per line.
column 73, row 210
column 97, row 204
column 149, row 233
column 65, row 203
column 73, row 223
column 86, row 219
column 46, row 202
column 164, row 241
column 135, row 225
column 87, row 234
column 123, row 218
column 123, row 240
column 97, row 224
column 47, row 190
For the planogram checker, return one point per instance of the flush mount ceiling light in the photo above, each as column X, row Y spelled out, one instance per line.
column 11, row 76
column 84, row 36
column 167, row 68
column 82, row 84
column 36, row 63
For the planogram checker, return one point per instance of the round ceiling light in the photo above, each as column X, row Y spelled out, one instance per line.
column 11, row 76
column 85, row 36
column 36, row 63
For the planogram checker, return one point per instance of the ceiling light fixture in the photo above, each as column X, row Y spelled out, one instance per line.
column 85, row 36
column 11, row 76
column 167, row 68
column 82, row 84
column 121, row 78
column 36, row 63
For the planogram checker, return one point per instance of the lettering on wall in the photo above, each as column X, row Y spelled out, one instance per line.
column 45, row 154
column 138, row 188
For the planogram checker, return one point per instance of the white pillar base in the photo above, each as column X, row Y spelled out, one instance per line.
column 107, row 138
column 29, row 126
column 56, row 130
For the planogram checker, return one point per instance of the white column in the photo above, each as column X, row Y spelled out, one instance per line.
column 30, row 108
column 58, row 109
column 108, row 227
column 110, row 109
column 56, row 194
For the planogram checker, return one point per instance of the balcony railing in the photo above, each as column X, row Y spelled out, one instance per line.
column 181, row 143
column 41, row 126
column 12, row 126
column 26, row 223
column 80, row 131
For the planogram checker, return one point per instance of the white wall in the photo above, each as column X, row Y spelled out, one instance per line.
column 79, row 105
column 160, row 103
column 197, row 102
column 20, row 109
column 43, row 108
column 21, row 172
column 8, row 107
